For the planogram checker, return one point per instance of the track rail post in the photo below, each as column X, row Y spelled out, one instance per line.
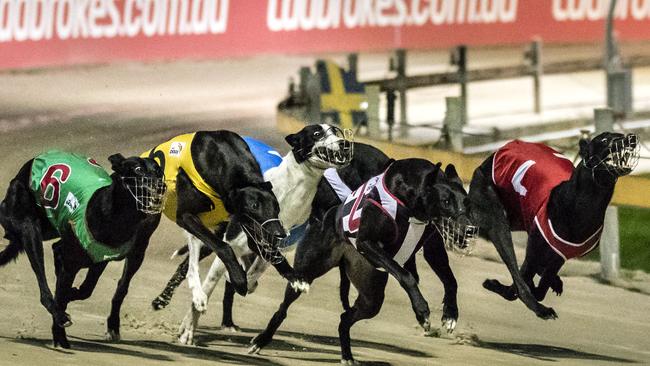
column 372, row 93
column 610, row 257
column 534, row 57
column 459, row 59
column 452, row 124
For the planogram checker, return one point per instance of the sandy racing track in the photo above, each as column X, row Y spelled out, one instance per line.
column 597, row 325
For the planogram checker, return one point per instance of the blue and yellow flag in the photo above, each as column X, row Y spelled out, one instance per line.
column 343, row 98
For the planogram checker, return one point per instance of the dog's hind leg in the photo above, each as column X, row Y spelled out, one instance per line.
column 379, row 259
column 33, row 244
column 319, row 252
column 256, row 266
column 371, row 285
column 64, row 279
column 487, row 212
column 162, row 300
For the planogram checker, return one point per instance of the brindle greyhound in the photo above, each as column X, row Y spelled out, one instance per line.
column 118, row 213
column 393, row 214
column 530, row 187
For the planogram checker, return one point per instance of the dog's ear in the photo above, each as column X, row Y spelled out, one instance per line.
column 293, row 140
column 452, row 174
column 230, row 204
column 116, row 161
column 584, row 147
column 267, row 186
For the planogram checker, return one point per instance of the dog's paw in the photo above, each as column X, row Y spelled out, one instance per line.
column 557, row 286
column 230, row 328
column 200, row 301
column 62, row 343
column 112, row 336
column 186, row 337
column 254, row 349
column 159, row 303
column 300, row 286
column 63, row 319
column 260, row 341
column 546, row 313
column 449, row 324
column 186, row 330
column 350, row 362
column 426, row 325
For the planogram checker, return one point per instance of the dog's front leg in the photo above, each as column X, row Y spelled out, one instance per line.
column 296, row 282
column 378, row 258
column 132, row 264
column 436, row 256
column 194, row 226
column 488, row 213
column 199, row 298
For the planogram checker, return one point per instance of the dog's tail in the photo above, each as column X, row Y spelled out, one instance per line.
column 15, row 247
column 11, row 252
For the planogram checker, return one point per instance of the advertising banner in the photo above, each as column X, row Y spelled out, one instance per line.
column 39, row 33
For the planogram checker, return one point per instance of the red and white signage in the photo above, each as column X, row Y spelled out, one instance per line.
column 36, row 33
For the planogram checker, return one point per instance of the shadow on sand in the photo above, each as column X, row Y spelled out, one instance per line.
column 548, row 353
column 202, row 353
column 277, row 344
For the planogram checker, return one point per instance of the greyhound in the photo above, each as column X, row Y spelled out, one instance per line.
column 333, row 188
column 376, row 232
column 295, row 180
column 528, row 186
column 215, row 185
column 98, row 218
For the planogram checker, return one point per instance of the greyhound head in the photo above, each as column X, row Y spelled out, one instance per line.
column 144, row 179
column 442, row 201
column 610, row 152
column 256, row 209
column 322, row 146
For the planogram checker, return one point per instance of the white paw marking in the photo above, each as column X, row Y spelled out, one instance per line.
column 449, row 325
column 186, row 331
column 254, row 349
column 111, row 336
column 426, row 325
column 300, row 286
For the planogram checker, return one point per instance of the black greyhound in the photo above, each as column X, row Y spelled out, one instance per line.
column 367, row 162
column 389, row 218
column 101, row 219
column 526, row 186
column 213, row 178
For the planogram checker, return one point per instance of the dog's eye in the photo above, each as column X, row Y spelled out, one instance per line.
column 318, row 134
column 138, row 170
